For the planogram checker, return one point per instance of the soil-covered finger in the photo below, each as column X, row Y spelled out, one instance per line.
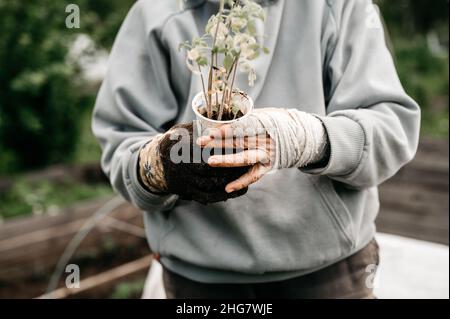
column 253, row 175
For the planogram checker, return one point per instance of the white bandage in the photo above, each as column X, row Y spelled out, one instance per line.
column 300, row 138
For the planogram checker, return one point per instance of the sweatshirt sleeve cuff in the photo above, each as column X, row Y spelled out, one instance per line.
column 141, row 196
column 346, row 139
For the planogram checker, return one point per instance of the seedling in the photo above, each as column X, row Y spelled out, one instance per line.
column 228, row 47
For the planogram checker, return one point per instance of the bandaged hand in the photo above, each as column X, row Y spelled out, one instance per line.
column 267, row 139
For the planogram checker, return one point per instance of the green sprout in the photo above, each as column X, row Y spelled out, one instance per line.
column 231, row 38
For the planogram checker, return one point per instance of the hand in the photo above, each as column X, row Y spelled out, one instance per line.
column 191, row 181
column 150, row 166
column 269, row 138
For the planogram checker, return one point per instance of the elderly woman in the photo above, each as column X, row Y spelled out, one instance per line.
column 343, row 124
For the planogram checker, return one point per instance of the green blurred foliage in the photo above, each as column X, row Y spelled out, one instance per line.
column 41, row 99
column 129, row 290
column 101, row 19
column 426, row 78
column 37, row 100
column 45, row 197
column 414, row 16
column 87, row 149
column 424, row 74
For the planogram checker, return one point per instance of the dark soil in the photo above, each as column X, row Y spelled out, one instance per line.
column 197, row 181
column 226, row 116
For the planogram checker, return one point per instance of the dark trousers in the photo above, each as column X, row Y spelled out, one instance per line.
column 349, row 278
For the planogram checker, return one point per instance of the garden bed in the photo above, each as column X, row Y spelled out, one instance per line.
column 30, row 247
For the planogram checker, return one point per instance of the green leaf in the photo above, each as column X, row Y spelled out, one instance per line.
column 235, row 108
column 254, row 55
column 202, row 61
column 228, row 62
column 234, row 53
column 184, row 45
column 251, row 28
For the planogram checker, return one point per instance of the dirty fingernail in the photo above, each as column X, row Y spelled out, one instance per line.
column 229, row 189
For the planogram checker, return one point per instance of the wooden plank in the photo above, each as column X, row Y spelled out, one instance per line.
column 390, row 222
column 29, row 251
column 437, row 146
column 435, row 181
column 101, row 285
column 22, row 225
column 44, row 259
column 18, row 256
column 430, row 163
column 432, row 157
column 393, row 214
column 54, row 232
column 415, row 202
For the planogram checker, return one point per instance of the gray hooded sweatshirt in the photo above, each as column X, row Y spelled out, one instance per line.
column 326, row 57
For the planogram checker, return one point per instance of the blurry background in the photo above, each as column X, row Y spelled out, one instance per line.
column 51, row 183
